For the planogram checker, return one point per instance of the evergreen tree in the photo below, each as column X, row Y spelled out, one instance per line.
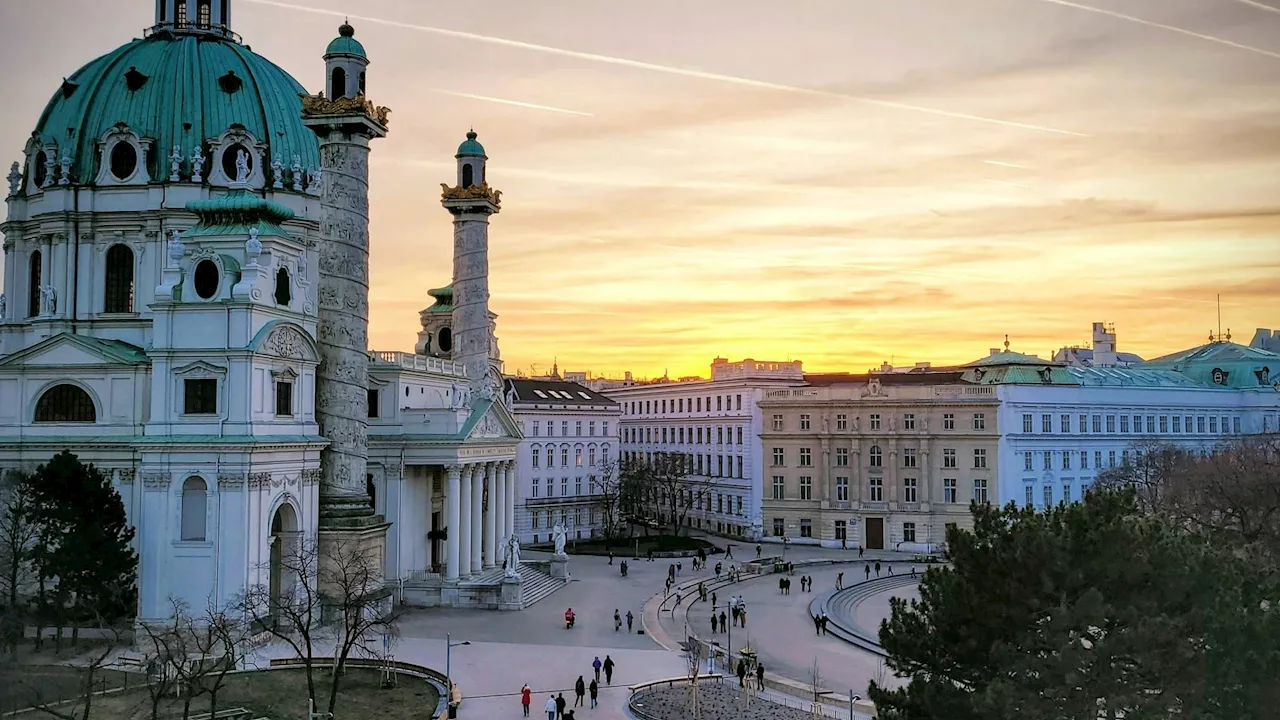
column 84, row 542
column 1090, row 610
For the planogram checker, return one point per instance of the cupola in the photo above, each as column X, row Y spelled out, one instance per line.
column 471, row 160
column 345, row 63
column 184, row 17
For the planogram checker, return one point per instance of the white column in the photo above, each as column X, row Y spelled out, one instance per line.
column 509, row 476
column 464, row 526
column 477, row 516
column 428, row 560
column 490, row 515
column 500, row 530
column 453, row 521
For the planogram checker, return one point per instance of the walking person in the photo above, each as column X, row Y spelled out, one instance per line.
column 594, row 689
column 760, row 675
column 713, row 623
column 823, row 623
column 552, row 708
column 742, row 673
column 782, row 585
column 560, row 705
column 844, row 545
column 759, row 549
column 722, row 619
column 859, row 552
column 817, row 624
column 868, row 569
column 890, row 569
column 526, row 697
column 617, row 625
column 580, row 691
column 610, row 557
column 608, row 670
column 728, row 552
column 877, row 568
column 630, row 618
column 595, row 665
column 743, row 615
column 840, row 581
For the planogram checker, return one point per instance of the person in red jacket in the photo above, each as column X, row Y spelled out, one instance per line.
column 526, row 697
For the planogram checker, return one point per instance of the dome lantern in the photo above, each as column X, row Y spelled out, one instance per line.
column 345, row 63
column 471, row 161
column 194, row 17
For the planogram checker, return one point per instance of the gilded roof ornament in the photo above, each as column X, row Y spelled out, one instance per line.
column 321, row 106
column 472, row 192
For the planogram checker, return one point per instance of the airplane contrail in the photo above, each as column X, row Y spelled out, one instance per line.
column 1006, row 164
column 1170, row 28
column 670, row 70
column 1261, row 6
column 515, row 103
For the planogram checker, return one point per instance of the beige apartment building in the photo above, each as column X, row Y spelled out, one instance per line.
column 882, row 460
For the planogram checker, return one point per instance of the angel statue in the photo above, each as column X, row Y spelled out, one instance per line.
column 559, row 534
column 512, row 561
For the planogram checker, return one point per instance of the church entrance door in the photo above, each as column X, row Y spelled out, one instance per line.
column 284, row 557
column 875, row 533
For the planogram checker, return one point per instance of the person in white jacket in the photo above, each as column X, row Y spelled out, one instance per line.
column 551, row 708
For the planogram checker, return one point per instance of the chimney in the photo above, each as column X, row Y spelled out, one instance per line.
column 1104, row 345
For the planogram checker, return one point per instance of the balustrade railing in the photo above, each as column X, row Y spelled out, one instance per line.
column 424, row 363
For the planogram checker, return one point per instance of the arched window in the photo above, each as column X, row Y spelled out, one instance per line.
column 195, row 502
column 180, row 13
column 444, row 341
column 361, row 82
column 33, row 286
column 119, row 285
column 877, row 459
column 467, row 176
column 204, row 14
column 65, row 403
column 282, row 287
column 338, row 84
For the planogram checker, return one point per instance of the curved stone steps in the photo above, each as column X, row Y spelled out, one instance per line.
column 840, row 606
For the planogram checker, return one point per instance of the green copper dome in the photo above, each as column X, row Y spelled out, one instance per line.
column 345, row 43
column 471, row 148
column 178, row 90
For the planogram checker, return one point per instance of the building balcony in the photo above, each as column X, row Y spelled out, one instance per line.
column 422, row 363
column 540, row 502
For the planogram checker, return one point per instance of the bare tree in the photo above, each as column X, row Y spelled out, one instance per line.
column 90, row 667
column 1149, row 465
column 161, row 644
column 678, row 491
column 606, row 484
column 217, row 640
column 332, row 592
column 18, row 535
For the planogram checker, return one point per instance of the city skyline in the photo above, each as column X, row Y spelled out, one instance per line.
column 908, row 182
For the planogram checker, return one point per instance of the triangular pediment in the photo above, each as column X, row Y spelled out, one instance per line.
column 67, row 350
column 490, row 420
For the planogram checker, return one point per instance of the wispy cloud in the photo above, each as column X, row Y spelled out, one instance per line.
column 672, row 70
column 513, row 103
column 1163, row 26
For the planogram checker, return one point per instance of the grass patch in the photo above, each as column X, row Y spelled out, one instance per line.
column 282, row 695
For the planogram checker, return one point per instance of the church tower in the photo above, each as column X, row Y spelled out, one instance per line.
column 471, row 202
column 345, row 125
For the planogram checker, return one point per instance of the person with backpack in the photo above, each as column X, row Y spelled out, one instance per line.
column 526, row 697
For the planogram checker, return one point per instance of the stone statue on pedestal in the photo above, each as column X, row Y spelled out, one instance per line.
column 512, row 561
column 560, row 536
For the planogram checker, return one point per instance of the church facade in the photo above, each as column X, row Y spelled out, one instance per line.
column 186, row 306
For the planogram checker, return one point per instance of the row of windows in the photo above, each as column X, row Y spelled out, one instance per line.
column 840, row 529
column 723, row 403
column 730, row 466
column 875, row 421
column 684, row 435
column 875, row 489
column 1073, row 460
column 875, row 457
column 1047, row 494
column 567, row 518
column 536, row 454
column 1133, row 424
column 66, row 403
column 535, row 428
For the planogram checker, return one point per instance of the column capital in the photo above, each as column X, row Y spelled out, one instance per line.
column 453, row 471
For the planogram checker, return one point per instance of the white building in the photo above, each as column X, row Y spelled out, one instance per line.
column 718, row 423
column 570, row 438
column 185, row 306
column 1060, row 426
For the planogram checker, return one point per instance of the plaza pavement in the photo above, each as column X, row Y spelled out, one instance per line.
column 532, row 646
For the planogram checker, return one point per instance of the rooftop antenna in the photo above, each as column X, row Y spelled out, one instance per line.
column 1219, row 316
column 1006, row 342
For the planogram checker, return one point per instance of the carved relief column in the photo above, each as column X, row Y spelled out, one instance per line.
column 452, row 519
column 490, row 514
column 498, row 505
column 477, row 516
column 464, row 521
column 345, row 130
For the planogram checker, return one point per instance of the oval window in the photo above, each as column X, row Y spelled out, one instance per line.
column 229, row 158
column 206, row 279
column 445, row 340
column 40, row 170
column 124, row 160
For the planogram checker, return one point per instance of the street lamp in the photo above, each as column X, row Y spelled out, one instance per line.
column 449, row 644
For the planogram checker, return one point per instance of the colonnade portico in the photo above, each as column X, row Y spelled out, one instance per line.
column 477, row 530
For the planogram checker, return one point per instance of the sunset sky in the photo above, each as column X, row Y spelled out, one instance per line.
column 842, row 182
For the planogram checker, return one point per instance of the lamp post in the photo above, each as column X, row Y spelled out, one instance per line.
column 449, row 644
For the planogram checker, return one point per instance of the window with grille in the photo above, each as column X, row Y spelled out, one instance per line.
column 779, row 527
column 200, row 396
column 1046, row 423
column 1028, row 495
column 841, row 531
column 65, row 403
column 1111, row 423
column 564, row 456
column 1066, row 460
column 1048, row 496
column 1097, row 423
column 806, row 528
column 1026, row 422
column 118, row 293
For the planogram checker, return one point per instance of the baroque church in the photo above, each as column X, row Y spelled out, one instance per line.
column 186, row 306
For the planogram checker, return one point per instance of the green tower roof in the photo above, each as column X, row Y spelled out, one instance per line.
column 346, row 43
column 471, row 148
column 177, row 90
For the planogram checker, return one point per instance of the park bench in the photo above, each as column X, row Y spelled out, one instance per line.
column 228, row 714
column 131, row 662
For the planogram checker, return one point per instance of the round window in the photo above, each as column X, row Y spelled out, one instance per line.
column 124, row 160
column 206, row 279
column 230, row 158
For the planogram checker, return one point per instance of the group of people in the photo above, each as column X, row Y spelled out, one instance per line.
column 806, row 584
column 820, row 623
column 744, row 674
column 557, row 707
column 617, row 621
